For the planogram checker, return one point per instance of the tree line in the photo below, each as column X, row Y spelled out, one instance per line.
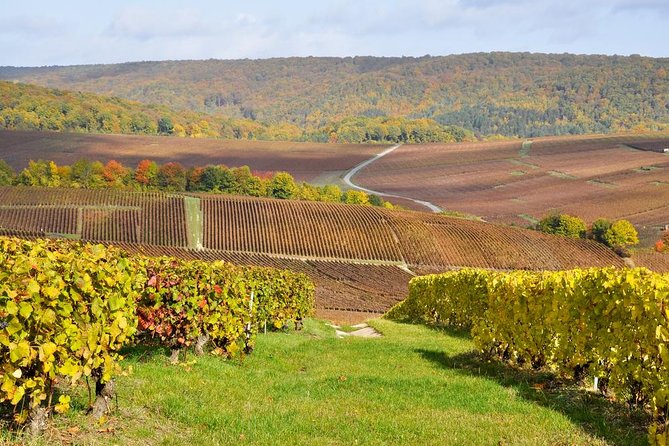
column 173, row 177
column 618, row 235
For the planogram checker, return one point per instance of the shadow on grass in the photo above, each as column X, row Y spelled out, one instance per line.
column 454, row 332
column 614, row 422
column 145, row 352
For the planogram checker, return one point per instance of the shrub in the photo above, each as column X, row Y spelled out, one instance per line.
column 599, row 228
column 562, row 224
column 185, row 301
column 621, row 234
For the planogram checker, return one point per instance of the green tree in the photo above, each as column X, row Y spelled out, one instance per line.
column 6, row 174
column 621, row 234
column 375, row 200
column 87, row 174
column 599, row 228
column 282, row 186
column 562, row 224
column 216, row 178
column 165, row 125
column 40, row 173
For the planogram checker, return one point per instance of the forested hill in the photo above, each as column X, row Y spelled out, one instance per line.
column 30, row 107
column 514, row 94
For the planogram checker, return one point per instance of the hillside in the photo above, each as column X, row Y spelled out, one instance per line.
column 508, row 182
column 360, row 257
column 29, row 107
column 514, row 182
column 489, row 93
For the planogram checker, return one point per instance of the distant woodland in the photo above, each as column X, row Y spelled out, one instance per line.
column 358, row 99
column 28, row 107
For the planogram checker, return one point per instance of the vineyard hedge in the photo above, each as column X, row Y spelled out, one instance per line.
column 66, row 309
column 610, row 323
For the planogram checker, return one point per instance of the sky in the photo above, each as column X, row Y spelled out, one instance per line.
column 72, row 32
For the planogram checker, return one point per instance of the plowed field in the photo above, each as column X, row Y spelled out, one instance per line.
column 515, row 182
column 305, row 161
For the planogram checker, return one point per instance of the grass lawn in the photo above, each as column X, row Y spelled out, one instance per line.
column 414, row 386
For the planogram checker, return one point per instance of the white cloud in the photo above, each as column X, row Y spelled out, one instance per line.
column 128, row 30
column 144, row 23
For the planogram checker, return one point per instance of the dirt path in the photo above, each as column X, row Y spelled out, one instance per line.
column 361, row 330
column 359, row 167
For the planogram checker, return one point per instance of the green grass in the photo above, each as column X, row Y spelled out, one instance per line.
column 563, row 175
column 523, row 163
column 194, row 222
column 414, row 386
column 461, row 215
column 603, row 184
column 532, row 220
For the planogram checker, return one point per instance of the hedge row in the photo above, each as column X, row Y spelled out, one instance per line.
column 67, row 308
column 611, row 323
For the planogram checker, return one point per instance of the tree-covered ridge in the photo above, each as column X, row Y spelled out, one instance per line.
column 29, row 107
column 512, row 94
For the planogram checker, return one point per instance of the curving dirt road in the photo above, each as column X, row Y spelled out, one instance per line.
column 359, row 167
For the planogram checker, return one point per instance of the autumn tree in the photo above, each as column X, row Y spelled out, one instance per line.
column 331, row 193
column 40, row 173
column 562, row 224
column 282, row 186
column 355, row 197
column 193, row 178
column 114, row 173
column 172, row 177
column 308, row 192
column 621, row 234
column 146, row 173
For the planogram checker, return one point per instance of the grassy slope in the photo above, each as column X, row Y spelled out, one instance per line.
column 414, row 386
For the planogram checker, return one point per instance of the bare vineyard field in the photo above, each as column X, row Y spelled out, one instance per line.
column 294, row 228
column 305, row 161
column 512, row 182
column 652, row 260
column 96, row 215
